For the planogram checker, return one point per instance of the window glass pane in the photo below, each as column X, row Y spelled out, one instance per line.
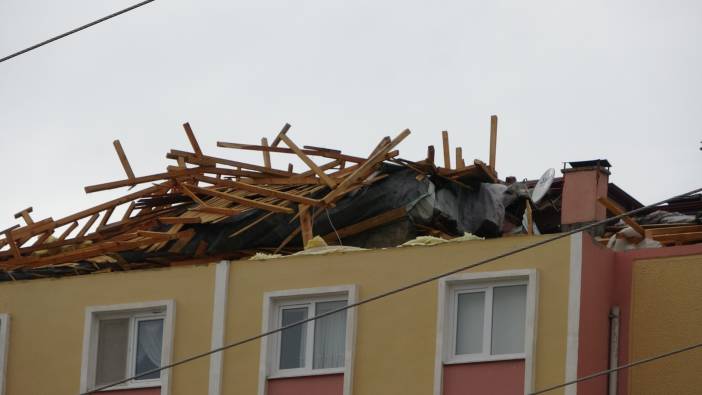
column 470, row 316
column 111, row 363
column 329, row 336
column 292, row 340
column 508, row 319
column 148, row 348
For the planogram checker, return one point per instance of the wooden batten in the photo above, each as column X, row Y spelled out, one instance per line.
column 305, row 224
column 447, row 152
column 192, row 139
column 493, row 142
column 123, row 159
column 282, row 132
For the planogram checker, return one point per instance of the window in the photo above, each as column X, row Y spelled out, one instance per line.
column 315, row 345
column 489, row 320
column 126, row 341
column 323, row 346
column 4, row 337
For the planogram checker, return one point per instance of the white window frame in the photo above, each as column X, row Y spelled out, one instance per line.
column 448, row 290
column 273, row 304
column 4, row 348
column 136, row 312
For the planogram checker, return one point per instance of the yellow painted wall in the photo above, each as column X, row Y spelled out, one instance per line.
column 395, row 343
column 666, row 314
column 47, row 318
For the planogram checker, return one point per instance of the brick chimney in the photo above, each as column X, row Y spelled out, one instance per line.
column 583, row 183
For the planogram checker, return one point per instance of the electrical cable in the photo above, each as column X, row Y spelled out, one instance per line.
column 393, row 291
column 68, row 33
column 625, row 366
column 334, row 228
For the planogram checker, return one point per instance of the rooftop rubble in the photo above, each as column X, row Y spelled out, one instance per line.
column 206, row 208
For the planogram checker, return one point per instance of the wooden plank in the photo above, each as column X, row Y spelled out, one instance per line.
column 87, row 225
column 179, row 220
column 43, row 238
column 252, row 224
column 679, row 238
column 447, row 154
column 430, row 154
column 123, row 159
column 530, row 218
column 266, row 154
column 366, row 224
column 185, row 238
column 25, row 215
column 326, row 154
column 314, row 148
column 285, row 181
column 106, row 217
column 193, row 140
column 242, row 200
column 128, row 213
column 313, row 166
column 176, row 172
column 68, row 231
column 227, row 212
column 158, row 235
column 192, row 195
column 261, row 190
column 210, row 160
column 11, row 241
column 305, row 224
column 493, row 141
column 652, row 232
column 459, row 158
column 283, row 131
column 366, row 167
column 616, row 210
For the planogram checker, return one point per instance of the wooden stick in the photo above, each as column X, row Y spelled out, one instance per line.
column 366, row 224
column 25, row 215
column 106, row 217
column 363, row 169
column 128, row 213
column 87, row 225
column 205, row 160
column 240, row 200
column 11, row 241
column 459, row 158
column 616, row 210
column 283, row 131
column 430, row 154
column 493, row 141
column 193, row 140
column 305, row 224
column 179, row 220
column 67, row 231
column 266, row 154
column 227, row 212
column 252, row 224
column 447, row 154
column 263, row 148
column 260, row 190
column 530, row 218
column 123, row 159
column 313, row 166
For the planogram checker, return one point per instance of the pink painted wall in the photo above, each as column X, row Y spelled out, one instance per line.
column 329, row 384
column 580, row 192
column 486, row 378
column 622, row 294
column 136, row 391
column 596, row 300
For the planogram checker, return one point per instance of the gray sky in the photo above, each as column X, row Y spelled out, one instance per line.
column 570, row 81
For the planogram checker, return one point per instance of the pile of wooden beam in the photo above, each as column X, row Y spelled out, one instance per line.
column 202, row 189
column 666, row 234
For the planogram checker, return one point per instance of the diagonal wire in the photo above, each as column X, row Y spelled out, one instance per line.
column 68, row 33
column 392, row 292
column 626, row 366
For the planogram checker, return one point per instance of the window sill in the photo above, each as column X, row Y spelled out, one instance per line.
column 305, row 373
column 133, row 385
column 460, row 359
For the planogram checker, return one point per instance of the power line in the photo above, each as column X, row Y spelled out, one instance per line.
column 628, row 365
column 391, row 292
column 68, row 33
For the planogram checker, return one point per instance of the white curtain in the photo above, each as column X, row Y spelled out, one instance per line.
column 149, row 344
column 470, row 316
column 329, row 336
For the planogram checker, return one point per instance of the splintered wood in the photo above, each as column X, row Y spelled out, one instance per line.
column 212, row 189
column 163, row 220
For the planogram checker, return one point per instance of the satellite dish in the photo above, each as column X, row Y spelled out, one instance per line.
column 543, row 185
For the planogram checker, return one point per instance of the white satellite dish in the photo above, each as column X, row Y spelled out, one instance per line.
column 543, row 185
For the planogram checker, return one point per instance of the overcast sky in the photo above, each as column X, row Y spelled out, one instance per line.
column 569, row 80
